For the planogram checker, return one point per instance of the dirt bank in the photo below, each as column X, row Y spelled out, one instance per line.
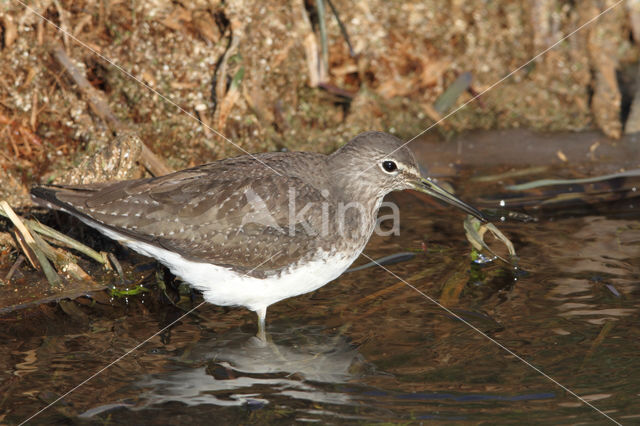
column 254, row 72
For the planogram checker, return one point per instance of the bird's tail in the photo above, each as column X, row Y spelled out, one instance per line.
column 61, row 197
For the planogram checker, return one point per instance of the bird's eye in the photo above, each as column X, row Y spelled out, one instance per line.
column 389, row 166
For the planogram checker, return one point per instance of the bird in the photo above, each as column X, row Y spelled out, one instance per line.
column 255, row 229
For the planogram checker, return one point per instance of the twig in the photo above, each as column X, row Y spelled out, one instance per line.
column 14, row 268
column 10, row 29
column 305, row 30
column 40, row 32
column 343, row 29
column 101, row 108
column 13, row 217
column 338, row 91
column 60, row 238
column 34, row 113
column 13, row 144
column 386, row 260
column 550, row 182
column 27, row 251
column 220, row 76
column 323, row 40
column 107, row 265
column 62, row 14
column 63, row 260
column 48, row 270
column 231, row 97
column 38, row 227
column 449, row 97
column 116, row 265
column 97, row 103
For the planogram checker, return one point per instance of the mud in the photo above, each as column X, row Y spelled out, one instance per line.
column 254, row 72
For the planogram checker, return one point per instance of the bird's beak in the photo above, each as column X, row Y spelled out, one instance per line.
column 427, row 186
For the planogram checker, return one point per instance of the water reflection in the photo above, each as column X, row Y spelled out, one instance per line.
column 396, row 356
column 305, row 364
column 234, row 369
column 596, row 262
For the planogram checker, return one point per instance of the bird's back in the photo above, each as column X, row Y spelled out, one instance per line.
column 233, row 212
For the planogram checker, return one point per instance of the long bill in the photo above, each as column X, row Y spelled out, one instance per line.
column 427, row 186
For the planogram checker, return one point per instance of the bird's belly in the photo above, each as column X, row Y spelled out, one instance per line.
column 223, row 286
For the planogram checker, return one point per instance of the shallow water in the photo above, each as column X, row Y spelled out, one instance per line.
column 367, row 347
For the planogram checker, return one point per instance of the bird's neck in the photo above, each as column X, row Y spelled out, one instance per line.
column 357, row 198
column 356, row 208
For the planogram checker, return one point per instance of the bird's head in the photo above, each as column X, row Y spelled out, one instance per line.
column 384, row 164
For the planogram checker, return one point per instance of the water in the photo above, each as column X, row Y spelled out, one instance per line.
column 367, row 347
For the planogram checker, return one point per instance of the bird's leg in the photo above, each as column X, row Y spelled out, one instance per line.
column 262, row 315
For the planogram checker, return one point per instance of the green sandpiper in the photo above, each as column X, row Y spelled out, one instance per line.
column 256, row 229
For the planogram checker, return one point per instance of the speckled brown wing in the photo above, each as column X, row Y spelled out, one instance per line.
column 223, row 213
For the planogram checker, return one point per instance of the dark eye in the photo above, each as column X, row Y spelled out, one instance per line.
column 389, row 166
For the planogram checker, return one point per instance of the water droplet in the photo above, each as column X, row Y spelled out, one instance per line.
column 482, row 259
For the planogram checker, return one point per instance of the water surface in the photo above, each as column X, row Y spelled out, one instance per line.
column 367, row 347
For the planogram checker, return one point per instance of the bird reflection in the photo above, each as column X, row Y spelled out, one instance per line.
column 241, row 369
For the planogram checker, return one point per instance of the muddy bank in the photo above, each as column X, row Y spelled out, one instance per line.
column 261, row 74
